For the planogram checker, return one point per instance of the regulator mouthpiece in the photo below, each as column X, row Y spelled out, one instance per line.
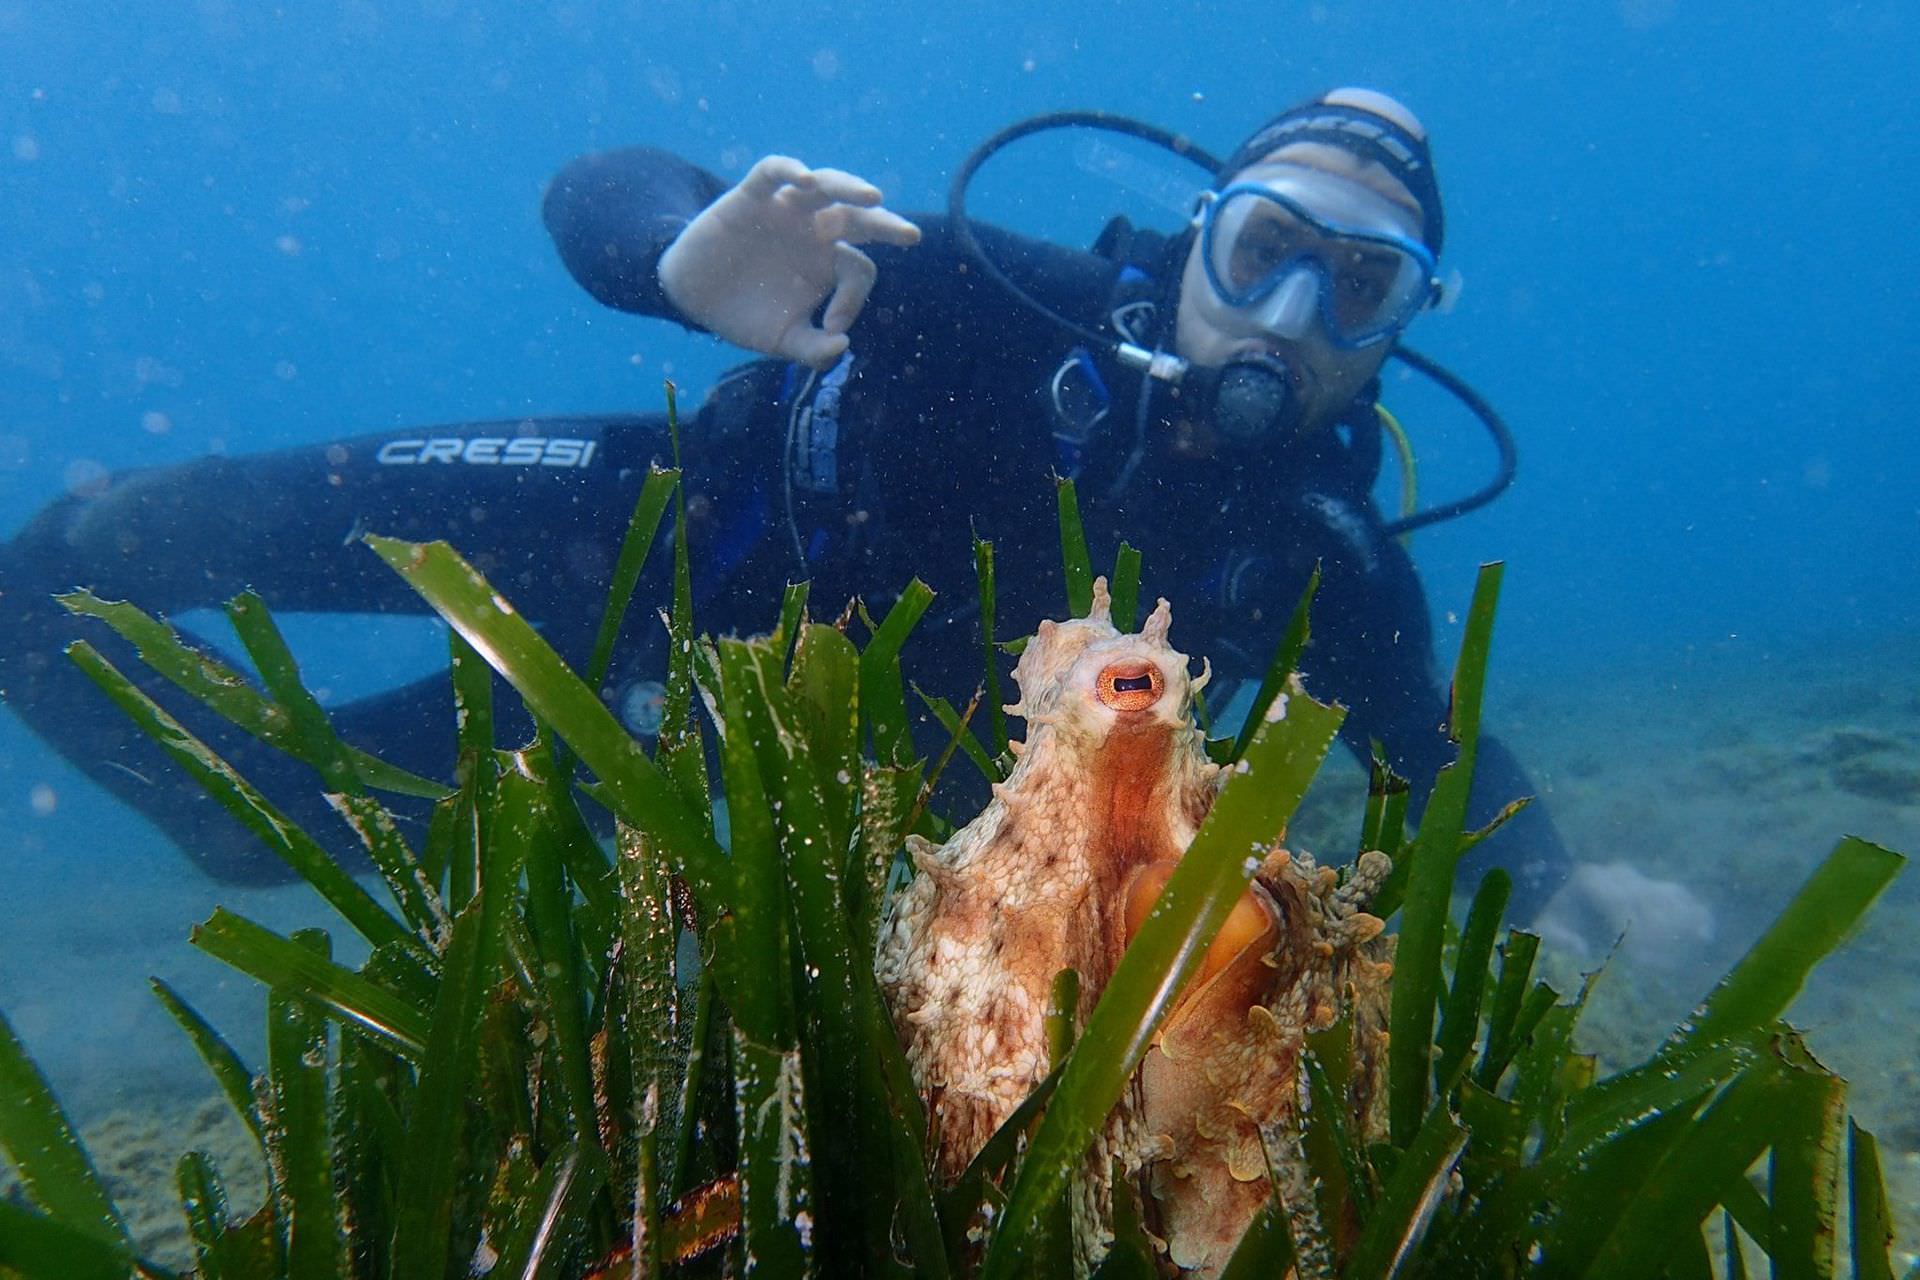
column 1256, row 401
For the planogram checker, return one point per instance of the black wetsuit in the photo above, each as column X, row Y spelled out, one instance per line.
column 942, row 421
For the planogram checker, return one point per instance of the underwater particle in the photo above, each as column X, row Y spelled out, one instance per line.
column 826, row 64
column 155, row 423
column 665, row 84
column 1029, row 64
column 1645, row 15
column 289, row 245
column 43, row 800
column 166, row 102
column 643, row 707
column 26, row 148
column 286, row 370
column 149, row 370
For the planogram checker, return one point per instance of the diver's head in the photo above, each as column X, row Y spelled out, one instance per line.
column 1313, row 250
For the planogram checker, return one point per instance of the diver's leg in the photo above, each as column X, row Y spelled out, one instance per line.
column 1372, row 650
column 285, row 523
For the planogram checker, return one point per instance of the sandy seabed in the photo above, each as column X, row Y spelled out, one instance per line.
column 1734, row 777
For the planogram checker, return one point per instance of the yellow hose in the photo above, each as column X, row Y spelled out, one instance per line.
column 1409, row 470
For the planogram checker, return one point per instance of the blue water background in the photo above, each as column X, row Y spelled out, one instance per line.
column 1685, row 233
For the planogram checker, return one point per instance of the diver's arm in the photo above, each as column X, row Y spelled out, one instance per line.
column 647, row 232
column 613, row 213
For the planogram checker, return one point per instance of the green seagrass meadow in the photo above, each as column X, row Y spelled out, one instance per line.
column 669, row 1057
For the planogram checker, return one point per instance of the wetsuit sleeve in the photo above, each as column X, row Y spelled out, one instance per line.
column 613, row 213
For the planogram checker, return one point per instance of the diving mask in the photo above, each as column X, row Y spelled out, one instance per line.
column 1284, row 242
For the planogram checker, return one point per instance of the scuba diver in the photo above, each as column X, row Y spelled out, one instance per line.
column 1212, row 393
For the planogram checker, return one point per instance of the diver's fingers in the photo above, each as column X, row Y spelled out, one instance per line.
column 771, row 173
column 865, row 226
column 827, row 188
column 854, row 274
column 811, row 346
column 847, row 188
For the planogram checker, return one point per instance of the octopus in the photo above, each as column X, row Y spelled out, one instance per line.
column 1058, row 871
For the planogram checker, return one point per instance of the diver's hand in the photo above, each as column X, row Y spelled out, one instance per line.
column 756, row 264
column 1661, row 924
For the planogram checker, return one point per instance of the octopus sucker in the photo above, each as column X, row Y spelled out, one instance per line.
column 1058, row 871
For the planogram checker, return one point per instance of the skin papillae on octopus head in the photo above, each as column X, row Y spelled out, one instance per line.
column 1057, row 872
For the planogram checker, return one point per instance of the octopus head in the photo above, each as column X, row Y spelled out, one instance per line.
column 1088, row 679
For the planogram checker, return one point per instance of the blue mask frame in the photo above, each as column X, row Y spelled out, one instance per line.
column 1393, row 314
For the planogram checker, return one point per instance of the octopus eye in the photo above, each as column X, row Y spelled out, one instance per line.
column 1130, row 686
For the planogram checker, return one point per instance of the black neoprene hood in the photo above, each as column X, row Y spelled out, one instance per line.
column 1364, row 134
